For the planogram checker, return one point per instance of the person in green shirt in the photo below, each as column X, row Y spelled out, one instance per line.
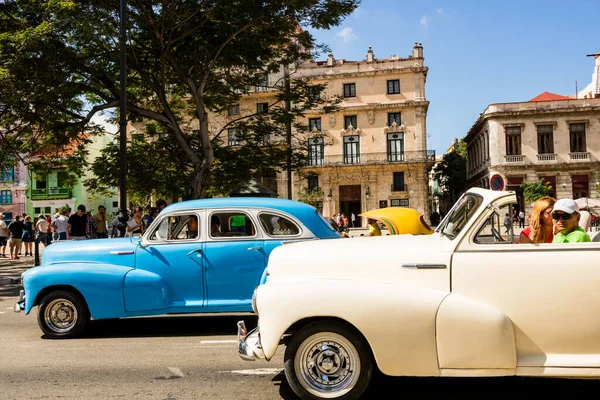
column 374, row 229
column 565, row 216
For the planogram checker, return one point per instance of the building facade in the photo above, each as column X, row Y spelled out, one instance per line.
column 13, row 191
column 551, row 137
column 372, row 151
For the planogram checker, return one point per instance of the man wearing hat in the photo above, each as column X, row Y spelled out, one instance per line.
column 77, row 224
column 565, row 216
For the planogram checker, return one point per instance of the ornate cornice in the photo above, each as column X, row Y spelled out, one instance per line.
column 351, row 131
column 395, row 128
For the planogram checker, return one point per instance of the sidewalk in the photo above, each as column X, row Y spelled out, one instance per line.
column 11, row 270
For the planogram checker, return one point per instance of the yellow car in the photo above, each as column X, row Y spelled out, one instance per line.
column 400, row 220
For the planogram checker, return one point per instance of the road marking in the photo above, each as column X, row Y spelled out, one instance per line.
column 257, row 371
column 176, row 371
column 217, row 341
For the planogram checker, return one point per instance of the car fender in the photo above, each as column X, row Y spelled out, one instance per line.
column 474, row 335
column 397, row 320
column 101, row 285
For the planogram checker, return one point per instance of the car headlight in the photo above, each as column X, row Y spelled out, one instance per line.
column 254, row 307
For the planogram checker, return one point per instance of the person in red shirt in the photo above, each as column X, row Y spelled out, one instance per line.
column 540, row 229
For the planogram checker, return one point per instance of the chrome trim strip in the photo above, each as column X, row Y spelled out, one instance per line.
column 425, row 266
column 123, row 252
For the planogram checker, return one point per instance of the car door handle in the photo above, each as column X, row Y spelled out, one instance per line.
column 199, row 251
column 254, row 248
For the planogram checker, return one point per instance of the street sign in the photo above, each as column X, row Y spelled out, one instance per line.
column 497, row 182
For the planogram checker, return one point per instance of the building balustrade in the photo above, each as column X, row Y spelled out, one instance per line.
column 546, row 157
column 374, row 158
column 579, row 156
column 50, row 193
column 515, row 159
column 400, row 188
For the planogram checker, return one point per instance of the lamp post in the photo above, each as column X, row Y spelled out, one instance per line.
column 123, row 217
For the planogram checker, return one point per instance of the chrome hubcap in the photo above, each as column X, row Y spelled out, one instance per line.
column 327, row 365
column 60, row 315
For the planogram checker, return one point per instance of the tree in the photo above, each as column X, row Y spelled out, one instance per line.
column 59, row 66
column 536, row 190
column 452, row 172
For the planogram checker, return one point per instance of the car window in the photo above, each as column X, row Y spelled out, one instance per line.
column 498, row 228
column 460, row 214
column 177, row 227
column 231, row 224
column 277, row 225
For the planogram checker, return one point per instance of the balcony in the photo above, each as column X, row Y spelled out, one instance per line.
column 401, row 188
column 375, row 158
column 548, row 157
column 515, row 159
column 50, row 194
column 582, row 156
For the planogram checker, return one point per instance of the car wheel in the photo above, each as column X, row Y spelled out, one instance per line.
column 62, row 315
column 328, row 360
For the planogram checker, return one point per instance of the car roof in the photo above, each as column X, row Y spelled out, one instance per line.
column 258, row 202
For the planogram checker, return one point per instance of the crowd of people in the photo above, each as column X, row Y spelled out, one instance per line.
column 19, row 235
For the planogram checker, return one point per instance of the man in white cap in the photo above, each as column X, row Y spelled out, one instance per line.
column 565, row 216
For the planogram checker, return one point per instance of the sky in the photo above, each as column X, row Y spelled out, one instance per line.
column 478, row 52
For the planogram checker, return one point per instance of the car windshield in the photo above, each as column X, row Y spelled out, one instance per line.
column 459, row 215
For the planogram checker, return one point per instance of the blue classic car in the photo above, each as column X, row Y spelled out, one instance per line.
column 197, row 256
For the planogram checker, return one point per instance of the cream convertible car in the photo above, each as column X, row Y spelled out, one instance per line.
column 466, row 301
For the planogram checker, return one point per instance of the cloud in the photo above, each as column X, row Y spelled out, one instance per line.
column 440, row 11
column 347, row 34
column 425, row 21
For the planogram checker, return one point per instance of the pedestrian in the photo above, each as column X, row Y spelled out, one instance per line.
column 41, row 228
column 60, row 223
column 15, row 232
column 77, row 224
column 374, row 229
column 91, row 226
column 521, row 219
column 507, row 224
column 101, row 223
column 135, row 225
column 49, row 230
column 27, row 237
column 353, row 219
column 345, row 223
column 161, row 204
column 3, row 236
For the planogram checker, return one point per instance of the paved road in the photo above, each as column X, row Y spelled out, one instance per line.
column 192, row 358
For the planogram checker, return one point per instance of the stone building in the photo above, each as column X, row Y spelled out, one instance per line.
column 553, row 137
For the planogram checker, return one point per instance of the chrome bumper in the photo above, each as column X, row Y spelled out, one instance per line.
column 20, row 305
column 249, row 348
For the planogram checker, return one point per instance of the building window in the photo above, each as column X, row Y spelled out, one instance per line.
column 350, row 120
column 513, row 140
column 314, row 124
column 398, row 182
column 545, row 139
column 263, row 83
column 577, row 136
column 349, row 89
column 393, row 86
column 8, row 174
column 351, row 149
column 394, row 117
column 5, row 197
column 313, row 182
column 233, row 110
column 395, row 147
column 315, row 151
column 233, row 138
column 8, row 216
column 262, row 108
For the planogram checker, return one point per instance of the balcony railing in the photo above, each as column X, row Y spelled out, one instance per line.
column 579, row 156
column 375, row 158
column 516, row 159
column 546, row 157
column 51, row 193
column 401, row 188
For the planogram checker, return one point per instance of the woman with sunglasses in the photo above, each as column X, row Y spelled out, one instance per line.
column 540, row 229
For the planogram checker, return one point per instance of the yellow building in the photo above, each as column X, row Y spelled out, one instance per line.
column 372, row 151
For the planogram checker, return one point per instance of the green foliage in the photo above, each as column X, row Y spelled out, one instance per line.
column 312, row 197
column 64, row 209
column 59, row 66
column 536, row 190
column 451, row 172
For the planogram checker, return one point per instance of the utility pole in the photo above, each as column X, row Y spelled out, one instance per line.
column 288, row 129
column 123, row 217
